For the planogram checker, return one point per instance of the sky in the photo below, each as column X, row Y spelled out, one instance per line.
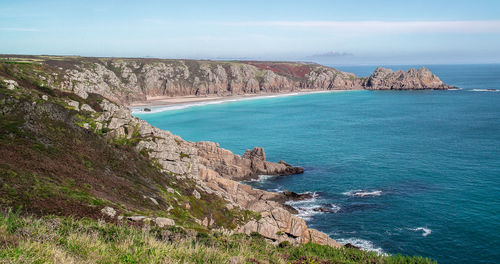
column 362, row 32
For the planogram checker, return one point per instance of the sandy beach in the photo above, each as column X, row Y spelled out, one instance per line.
column 179, row 102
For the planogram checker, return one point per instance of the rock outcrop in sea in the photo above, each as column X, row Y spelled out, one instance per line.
column 412, row 79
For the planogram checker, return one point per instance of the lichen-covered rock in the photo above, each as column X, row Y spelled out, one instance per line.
column 87, row 107
column 162, row 221
column 11, row 84
column 74, row 104
column 108, row 211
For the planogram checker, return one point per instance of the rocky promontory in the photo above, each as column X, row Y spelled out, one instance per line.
column 412, row 79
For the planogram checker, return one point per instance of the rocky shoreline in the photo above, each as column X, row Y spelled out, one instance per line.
column 218, row 171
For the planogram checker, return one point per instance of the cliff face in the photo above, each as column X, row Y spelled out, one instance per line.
column 129, row 80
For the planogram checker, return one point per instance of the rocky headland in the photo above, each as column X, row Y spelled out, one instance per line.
column 192, row 183
column 130, row 80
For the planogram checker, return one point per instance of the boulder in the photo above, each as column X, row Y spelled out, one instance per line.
column 137, row 218
column 162, row 221
column 297, row 196
column 11, row 84
column 108, row 211
column 349, row 245
column 73, row 104
column 322, row 238
column 322, row 209
column 196, row 194
column 268, row 228
column 249, row 227
column 87, row 107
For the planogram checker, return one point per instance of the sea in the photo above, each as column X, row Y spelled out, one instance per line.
column 400, row 172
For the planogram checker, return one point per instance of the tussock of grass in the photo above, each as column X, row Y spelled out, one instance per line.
column 53, row 239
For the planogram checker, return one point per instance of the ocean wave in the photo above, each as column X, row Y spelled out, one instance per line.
column 425, row 231
column 307, row 212
column 334, row 208
column 306, row 207
column 485, row 90
column 362, row 193
column 362, row 243
column 262, row 178
column 313, row 206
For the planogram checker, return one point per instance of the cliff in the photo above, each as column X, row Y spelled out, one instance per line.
column 128, row 80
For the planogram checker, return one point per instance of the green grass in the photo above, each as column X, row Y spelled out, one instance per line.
column 50, row 239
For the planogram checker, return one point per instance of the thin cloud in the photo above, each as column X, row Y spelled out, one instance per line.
column 478, row 26
column 20, row 29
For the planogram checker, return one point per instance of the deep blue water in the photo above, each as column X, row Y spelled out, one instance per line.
column 430, row 159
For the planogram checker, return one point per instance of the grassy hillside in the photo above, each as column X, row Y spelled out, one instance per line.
column 52, row 165
column 67, row 240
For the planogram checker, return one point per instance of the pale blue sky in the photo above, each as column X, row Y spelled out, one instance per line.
column 334, row 32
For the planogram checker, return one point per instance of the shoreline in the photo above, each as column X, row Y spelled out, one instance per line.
column 166, row 103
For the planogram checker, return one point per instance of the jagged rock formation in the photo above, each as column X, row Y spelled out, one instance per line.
column 248, row 166
column 217, row 171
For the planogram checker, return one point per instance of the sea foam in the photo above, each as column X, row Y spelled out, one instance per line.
column 306, row 207
column 425, row 231
column 485, row 90
column 362, row 193
column 362, row 243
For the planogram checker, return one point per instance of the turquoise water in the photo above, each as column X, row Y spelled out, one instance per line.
column 428, row 162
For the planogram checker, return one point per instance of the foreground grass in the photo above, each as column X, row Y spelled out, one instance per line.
column 54, row 239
